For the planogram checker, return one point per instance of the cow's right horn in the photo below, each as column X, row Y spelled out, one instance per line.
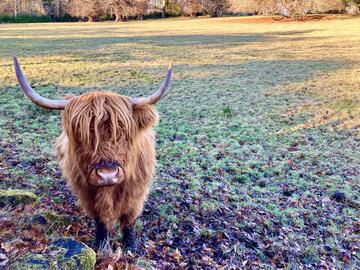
column 159, row 94
column 58, row 104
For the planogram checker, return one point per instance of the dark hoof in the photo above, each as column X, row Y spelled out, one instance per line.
column 101, row 236
column 101, row 243
column 129, row 240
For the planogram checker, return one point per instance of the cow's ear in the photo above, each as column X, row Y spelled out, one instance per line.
column 146, row 116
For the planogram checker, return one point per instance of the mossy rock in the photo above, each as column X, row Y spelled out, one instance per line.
column 14, row 197
column 64, row 253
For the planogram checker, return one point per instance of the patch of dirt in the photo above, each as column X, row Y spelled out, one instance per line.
column 259, row 19
column 302, row 18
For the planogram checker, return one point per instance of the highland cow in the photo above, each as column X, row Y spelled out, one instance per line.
column 106, row 152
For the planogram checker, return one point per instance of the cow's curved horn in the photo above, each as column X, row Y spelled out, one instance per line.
column 58, row 104
column 138, row 102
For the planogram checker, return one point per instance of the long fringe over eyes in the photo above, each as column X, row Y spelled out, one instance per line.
column 86, row 117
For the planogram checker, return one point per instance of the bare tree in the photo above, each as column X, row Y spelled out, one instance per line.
column 86, row 9
column 142, row 7
column 16, row 7
column 215, row 8
column 286, row 8
column 292, row 8
column 352, row 6
column 123, row 9
column 56, row 8
column 210, row 7
column 76, row 8
column 195, row 7
column 92, row 9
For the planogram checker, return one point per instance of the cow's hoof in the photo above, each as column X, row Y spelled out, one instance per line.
column 102, row 241
column 101, row 236
column 129, row 240
column 101, row 244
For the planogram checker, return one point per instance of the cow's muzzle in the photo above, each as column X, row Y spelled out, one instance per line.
column 106, row 174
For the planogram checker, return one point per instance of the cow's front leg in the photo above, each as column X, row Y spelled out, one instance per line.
column 129, row 237
column 101, row 234
column 129, row 240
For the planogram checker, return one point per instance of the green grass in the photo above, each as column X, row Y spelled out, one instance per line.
column 254, row 109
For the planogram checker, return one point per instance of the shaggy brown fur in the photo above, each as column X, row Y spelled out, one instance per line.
column 104, row 126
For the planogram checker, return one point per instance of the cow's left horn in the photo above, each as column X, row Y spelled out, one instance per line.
column 58, row 104
column 138, row 102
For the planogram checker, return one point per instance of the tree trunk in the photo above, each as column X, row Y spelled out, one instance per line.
column 117, row 16
column 163, row 9
column 283, row 11
column 15, row 8
column 57, row 9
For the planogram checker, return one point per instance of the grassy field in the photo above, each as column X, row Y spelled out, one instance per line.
column 258, row 145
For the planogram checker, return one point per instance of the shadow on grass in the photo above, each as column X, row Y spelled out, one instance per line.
column 80, row 45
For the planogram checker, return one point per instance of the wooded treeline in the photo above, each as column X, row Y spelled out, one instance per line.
column 117, row 10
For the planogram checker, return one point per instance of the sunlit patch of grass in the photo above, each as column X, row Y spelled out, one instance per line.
column 331, row 99
column 347, row 105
